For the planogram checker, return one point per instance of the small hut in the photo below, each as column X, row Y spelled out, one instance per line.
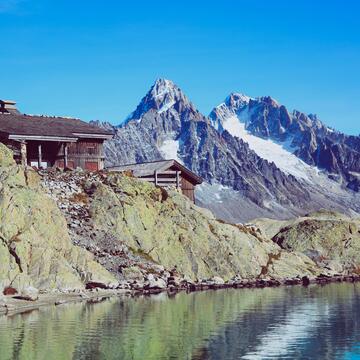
column 164, row 173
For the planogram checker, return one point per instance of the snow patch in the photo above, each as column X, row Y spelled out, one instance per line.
column 166, row 106
column 170, row 150
column 278, row 153
column 213, row 193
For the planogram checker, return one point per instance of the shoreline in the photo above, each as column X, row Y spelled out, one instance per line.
column 10, row 305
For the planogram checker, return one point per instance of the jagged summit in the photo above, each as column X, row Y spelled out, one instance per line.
column 237, row 100
column 268, row 100
column 231, row 105
column 163, row 86
column 163, row 97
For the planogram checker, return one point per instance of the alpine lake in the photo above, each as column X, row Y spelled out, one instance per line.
column 315, row 322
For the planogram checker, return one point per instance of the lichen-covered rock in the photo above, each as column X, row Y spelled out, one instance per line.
column 329, row 239
column 35, row 248
column 6, row 157
column 173, row 232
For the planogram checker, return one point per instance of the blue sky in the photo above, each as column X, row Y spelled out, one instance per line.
column 96, row 59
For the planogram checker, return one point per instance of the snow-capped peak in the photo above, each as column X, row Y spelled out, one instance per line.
column 164, row 94
column 232, row 105
column 162, row 87
column 166, row 99
column 237, row 100
column 219, row 114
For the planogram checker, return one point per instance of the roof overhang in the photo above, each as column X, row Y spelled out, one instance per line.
column 196, row 178
column 42, row 138
column 163, row 165
column 94, row 136
column 8, row 102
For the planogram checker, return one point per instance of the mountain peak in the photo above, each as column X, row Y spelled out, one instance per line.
column 164, row 94
column 162, row 86
column 164, row 82
column 165, row 99
column 237, row 100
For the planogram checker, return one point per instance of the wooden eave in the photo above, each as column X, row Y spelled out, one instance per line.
column 42, row 138
column 94, row 136
column 148, row 168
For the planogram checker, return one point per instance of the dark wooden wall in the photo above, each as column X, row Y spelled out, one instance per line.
column 87, row 154
column 187, row 188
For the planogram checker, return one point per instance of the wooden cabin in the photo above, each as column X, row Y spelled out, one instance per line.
column 43, row 142
column 164, row 173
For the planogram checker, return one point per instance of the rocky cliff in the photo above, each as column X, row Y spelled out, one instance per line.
column 134, row 228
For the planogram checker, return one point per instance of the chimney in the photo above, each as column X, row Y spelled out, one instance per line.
column 8, row 107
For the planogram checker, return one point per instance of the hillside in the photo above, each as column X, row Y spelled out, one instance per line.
column 62, row 231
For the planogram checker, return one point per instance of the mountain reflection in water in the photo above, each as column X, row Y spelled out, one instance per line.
column 281, row 323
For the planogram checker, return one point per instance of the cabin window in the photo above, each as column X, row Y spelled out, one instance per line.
column 91, row 150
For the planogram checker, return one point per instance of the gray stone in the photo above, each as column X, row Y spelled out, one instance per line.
column 29, row 293
column 217, row 280
column 153, row 282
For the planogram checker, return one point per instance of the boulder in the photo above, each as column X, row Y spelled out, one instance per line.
column 305, row 281
column 132, row 273
column 153, row 282
column 29, row 293
column 330, row 239
column 217, row 280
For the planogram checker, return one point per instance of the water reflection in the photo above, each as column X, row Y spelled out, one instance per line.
column 283, row 323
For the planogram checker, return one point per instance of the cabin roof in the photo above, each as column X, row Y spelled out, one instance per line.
column 148, row 168
column 28, row 125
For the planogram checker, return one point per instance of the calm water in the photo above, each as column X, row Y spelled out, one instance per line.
column 283, row 323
